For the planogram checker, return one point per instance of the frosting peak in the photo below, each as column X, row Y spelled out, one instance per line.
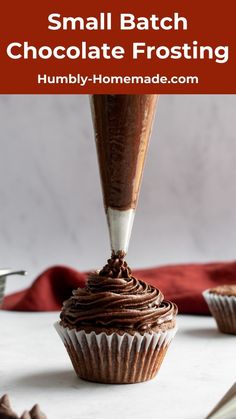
column 116, row 267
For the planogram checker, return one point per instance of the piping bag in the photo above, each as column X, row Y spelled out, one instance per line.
column 122, row 125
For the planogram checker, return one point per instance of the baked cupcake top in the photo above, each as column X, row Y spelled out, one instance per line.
column 113, row 299
column 225, row 290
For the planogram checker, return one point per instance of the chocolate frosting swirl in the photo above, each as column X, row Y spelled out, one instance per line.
column 117, row 302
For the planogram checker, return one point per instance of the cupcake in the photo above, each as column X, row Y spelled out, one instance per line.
column 222, row 305
column 118, row 328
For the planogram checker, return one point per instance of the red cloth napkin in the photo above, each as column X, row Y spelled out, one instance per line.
column 182, row 284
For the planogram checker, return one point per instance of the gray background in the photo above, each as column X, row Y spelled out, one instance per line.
column 51, row 206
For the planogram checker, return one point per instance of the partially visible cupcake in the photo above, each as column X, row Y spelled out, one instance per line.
column 117, row 329
column 222, row 305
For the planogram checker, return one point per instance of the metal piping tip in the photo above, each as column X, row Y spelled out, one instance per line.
column 120, row 225
column 226, row 407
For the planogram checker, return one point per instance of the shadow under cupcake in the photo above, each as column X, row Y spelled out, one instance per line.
column 117, row 329
column 222, row 305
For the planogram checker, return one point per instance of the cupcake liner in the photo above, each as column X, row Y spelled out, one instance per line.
column 223, row 309
column 115, row 358
column 2, row 288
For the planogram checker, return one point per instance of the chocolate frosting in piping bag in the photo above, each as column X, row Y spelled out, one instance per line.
column 122, row 125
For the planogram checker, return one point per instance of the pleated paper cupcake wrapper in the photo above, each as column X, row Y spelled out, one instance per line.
column 223, row 309
column 2, row 289
column 115, row 358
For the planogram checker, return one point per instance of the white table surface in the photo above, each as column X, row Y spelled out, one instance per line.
column 34, row 367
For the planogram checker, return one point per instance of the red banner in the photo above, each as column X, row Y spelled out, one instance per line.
column 117, row 47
